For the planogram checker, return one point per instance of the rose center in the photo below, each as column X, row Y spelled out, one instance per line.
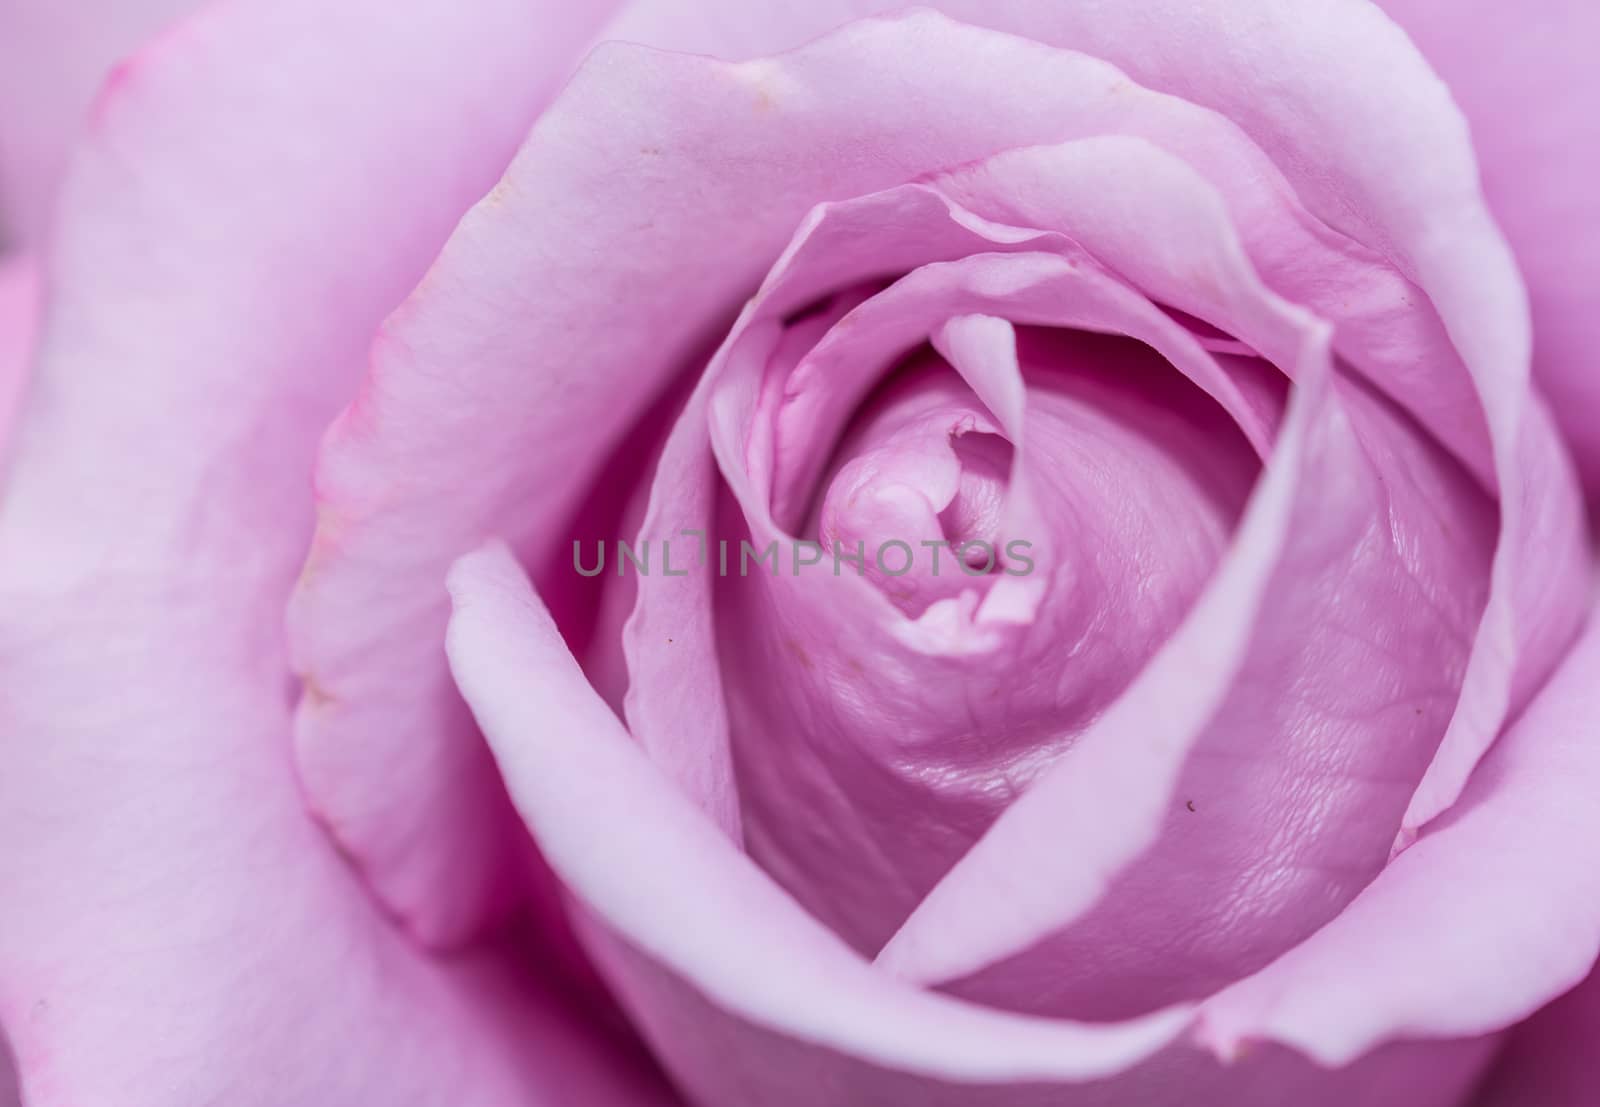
column 918, row 489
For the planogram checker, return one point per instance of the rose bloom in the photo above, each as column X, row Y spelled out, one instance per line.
column 1235, row 355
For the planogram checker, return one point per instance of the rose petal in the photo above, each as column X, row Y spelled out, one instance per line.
column 384, row 746
column 1068, row 290
column 1479, row 923
column 53, row 60
column 177, row 930
column 750, row 1000
column 1525, row 78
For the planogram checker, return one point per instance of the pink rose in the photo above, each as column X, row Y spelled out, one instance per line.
column 1237, row 752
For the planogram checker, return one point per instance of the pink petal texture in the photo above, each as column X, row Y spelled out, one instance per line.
column 386, row 750
column 19, row 323
column 1525, row 78
column 176, row 929
column 54, row 58
column 1477, row 924
column 752, row 1001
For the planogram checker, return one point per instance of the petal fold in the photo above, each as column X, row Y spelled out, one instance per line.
column 228, row 240
column 384, row 746
column 1525, row 78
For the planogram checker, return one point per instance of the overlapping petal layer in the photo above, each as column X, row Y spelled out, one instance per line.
column 384, row 747
column 176, row 928
column 1525, row 79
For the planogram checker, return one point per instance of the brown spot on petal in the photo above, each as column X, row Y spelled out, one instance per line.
column 313, row 694
column 329, row 531
column 501, row 192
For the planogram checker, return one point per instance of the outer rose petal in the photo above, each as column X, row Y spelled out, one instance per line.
column 53, row 56
column 384, row 746
column 175, row 929
column 1524, row 74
